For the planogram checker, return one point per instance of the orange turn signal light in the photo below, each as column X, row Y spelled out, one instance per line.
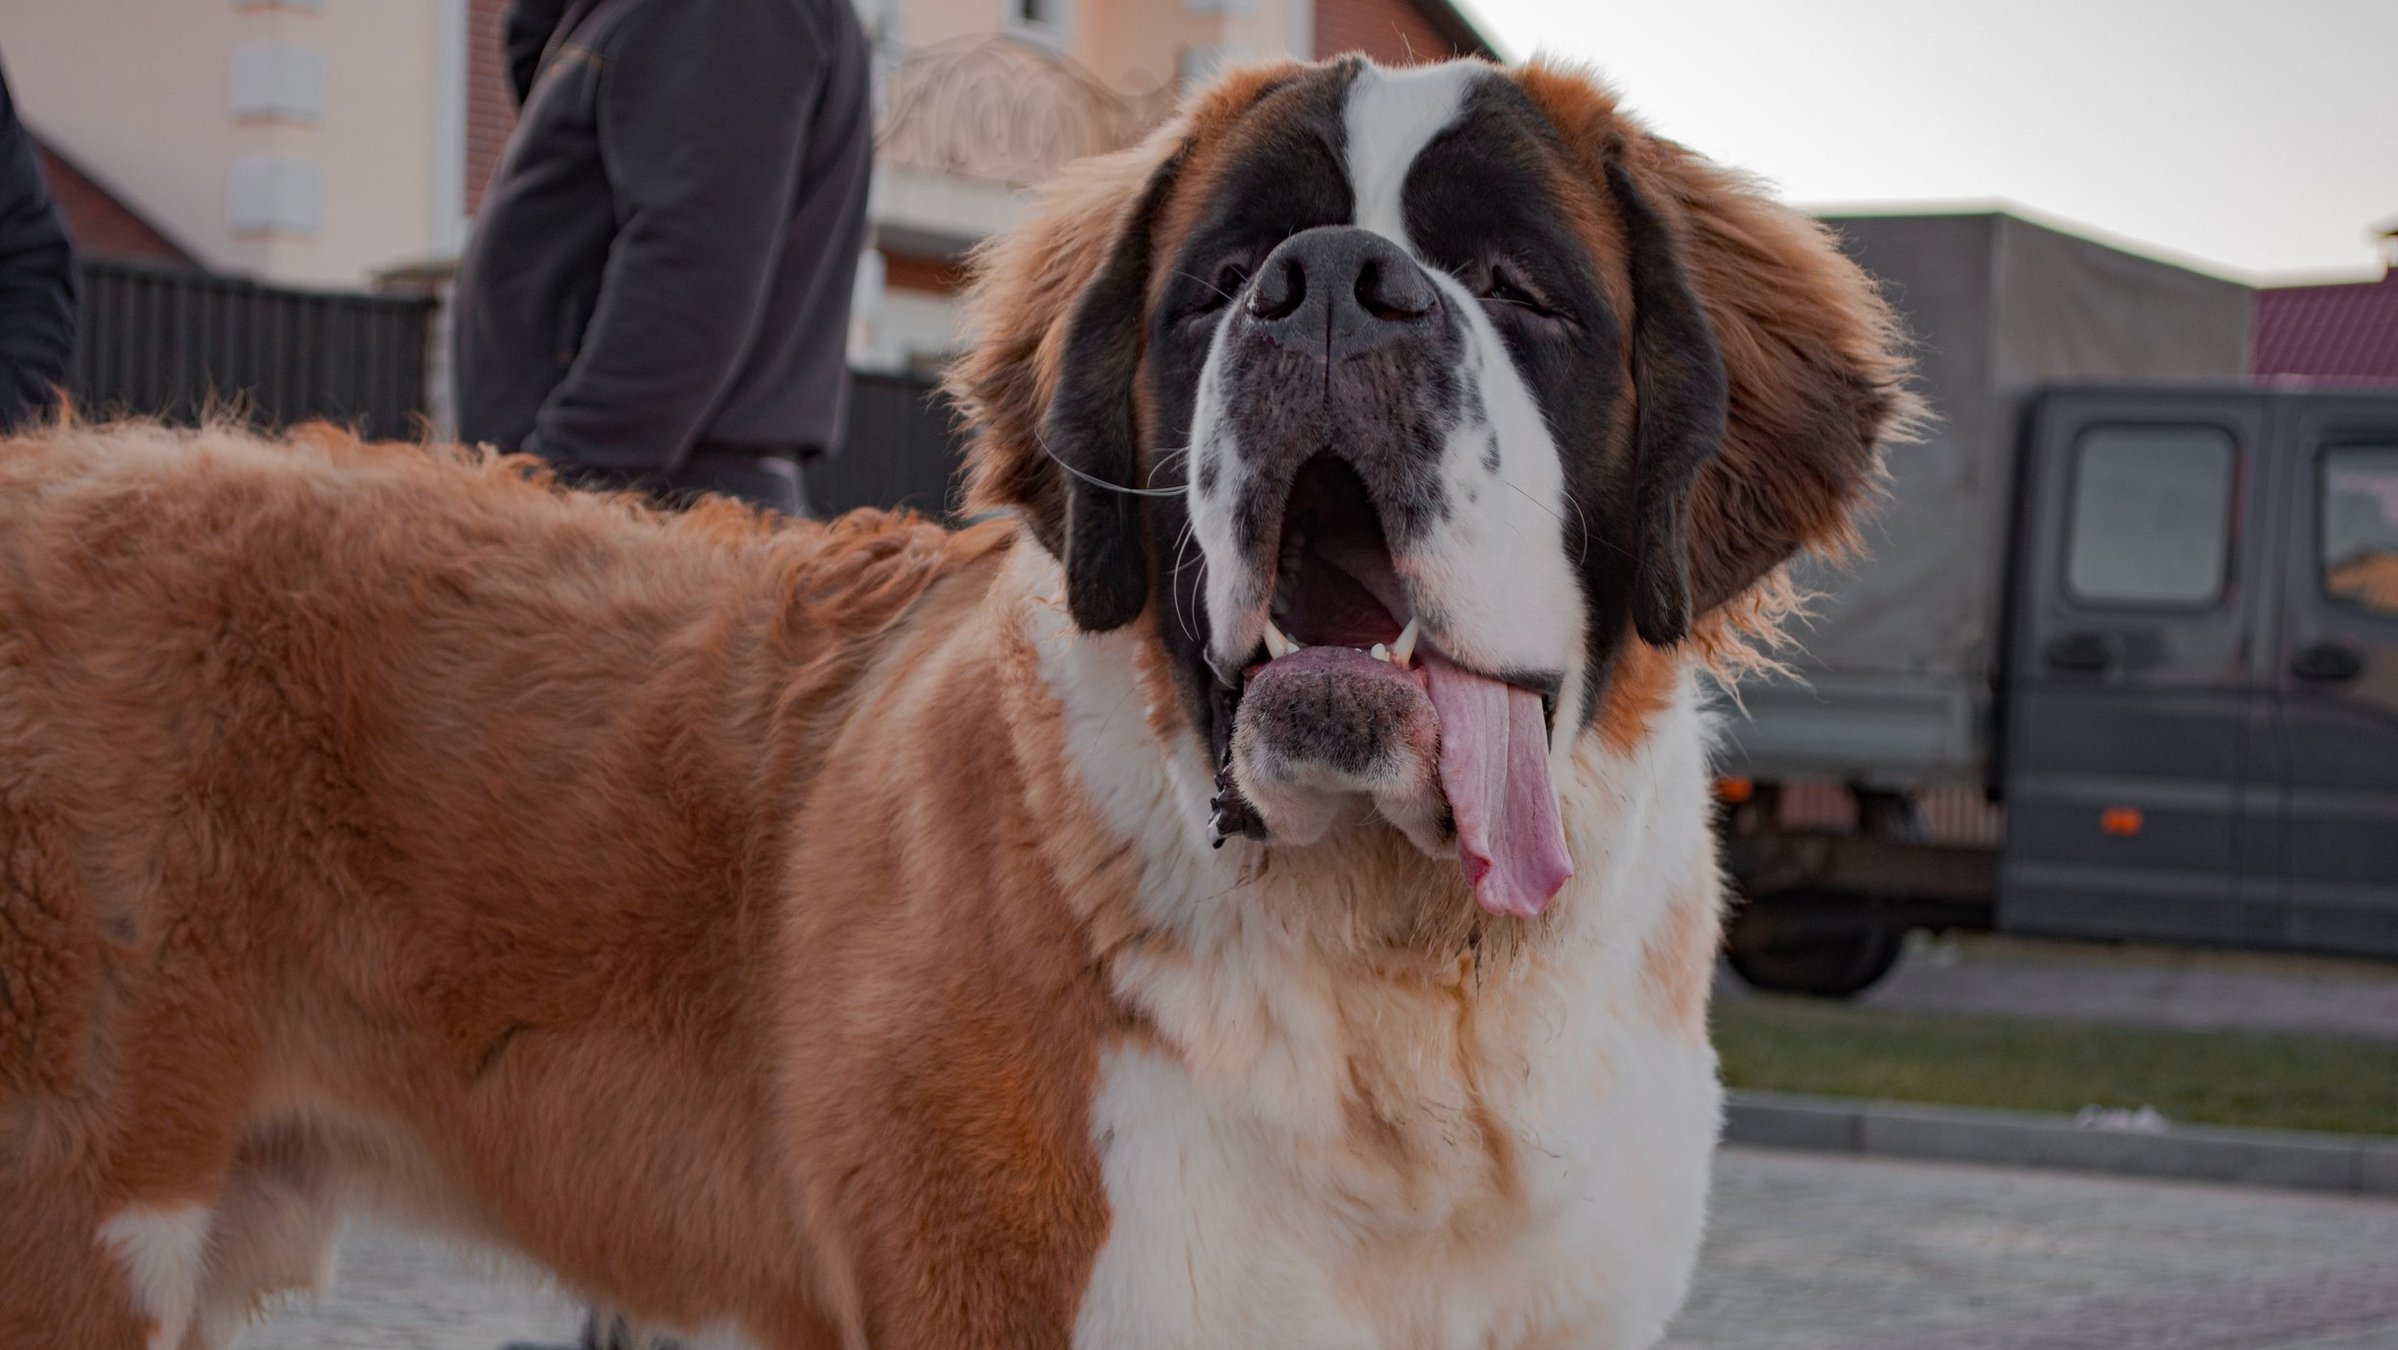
column 1734, row 790
column 2121, row 821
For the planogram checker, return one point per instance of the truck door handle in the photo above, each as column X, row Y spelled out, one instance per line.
column 2329, row 662
column 2080, row 651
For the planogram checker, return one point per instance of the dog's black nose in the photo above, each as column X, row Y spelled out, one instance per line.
column 1342, row 291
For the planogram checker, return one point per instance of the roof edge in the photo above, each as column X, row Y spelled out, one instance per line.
column 1458, row 28
column 189, row 256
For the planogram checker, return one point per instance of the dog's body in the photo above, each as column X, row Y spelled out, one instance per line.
column 818, row 934
column 745, row 923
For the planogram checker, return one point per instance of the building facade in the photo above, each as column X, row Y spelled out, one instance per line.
column 979, row 100
column 341, row 143
column 2333, row 334
column 296, row 141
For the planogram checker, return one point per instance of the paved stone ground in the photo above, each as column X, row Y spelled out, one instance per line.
column 395, row 1292
column 1811, row 1252
column 1807, row 1252
column 2137, row 986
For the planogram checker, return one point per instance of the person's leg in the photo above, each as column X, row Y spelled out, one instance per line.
column 603, row 1330
column 612, row 1331
column 772, row 481
column 272, row 1233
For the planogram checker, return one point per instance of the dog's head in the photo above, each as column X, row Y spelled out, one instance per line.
column 1405, row 404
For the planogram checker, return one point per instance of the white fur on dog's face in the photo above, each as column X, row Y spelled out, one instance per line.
column 1360, row 1113
column 1543, row 386
column 1483, row 539
column 1497, row 570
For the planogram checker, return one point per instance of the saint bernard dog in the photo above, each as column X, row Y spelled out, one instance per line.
column 1253, row 888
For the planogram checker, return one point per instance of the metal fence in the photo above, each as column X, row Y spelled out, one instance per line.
column 901, row 449
column 176, row 342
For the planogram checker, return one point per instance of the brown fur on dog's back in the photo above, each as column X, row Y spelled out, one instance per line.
column 390, row 815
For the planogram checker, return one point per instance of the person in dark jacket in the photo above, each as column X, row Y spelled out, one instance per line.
column 657, row 291
column 37, row 280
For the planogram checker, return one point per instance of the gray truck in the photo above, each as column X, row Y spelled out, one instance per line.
column 2122, row 660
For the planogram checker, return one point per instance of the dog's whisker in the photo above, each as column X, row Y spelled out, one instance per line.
column 1588, row 538
column 1229, row 297
column 1183, row 540
column 1095, row 480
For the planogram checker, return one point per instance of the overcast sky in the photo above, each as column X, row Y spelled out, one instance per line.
column 2256, row 140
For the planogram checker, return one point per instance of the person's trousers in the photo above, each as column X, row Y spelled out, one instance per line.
column 770, row 479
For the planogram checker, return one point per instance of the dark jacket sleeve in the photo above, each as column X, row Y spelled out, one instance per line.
column 37, row 279
column 524, row 34
column 703, row 111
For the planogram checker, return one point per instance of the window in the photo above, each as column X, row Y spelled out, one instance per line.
column 2360, row 526
column 2151, row 519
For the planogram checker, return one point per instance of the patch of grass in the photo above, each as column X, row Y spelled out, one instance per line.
column 2209, row 1077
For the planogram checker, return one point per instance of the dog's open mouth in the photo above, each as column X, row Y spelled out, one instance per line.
column 1348, row 687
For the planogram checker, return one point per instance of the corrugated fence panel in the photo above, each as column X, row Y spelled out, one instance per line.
column 899, row 449
column 177, row 343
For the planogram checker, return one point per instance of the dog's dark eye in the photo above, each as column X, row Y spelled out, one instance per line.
column 1502, row 285
column 1206, row 294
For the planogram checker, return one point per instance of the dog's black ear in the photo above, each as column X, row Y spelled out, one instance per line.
column 1093, row 426
column 1048, row 386
column 1683, row 403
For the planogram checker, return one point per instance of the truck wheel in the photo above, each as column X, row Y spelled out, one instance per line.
column 1818, row 958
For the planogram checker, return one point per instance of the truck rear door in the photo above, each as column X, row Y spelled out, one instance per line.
column 2336, row 667
column 2131, row 707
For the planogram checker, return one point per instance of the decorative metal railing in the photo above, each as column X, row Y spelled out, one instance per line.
column 1003, row 111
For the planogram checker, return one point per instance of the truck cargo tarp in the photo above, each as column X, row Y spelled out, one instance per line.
column 1898, row 659
column 1996, row 307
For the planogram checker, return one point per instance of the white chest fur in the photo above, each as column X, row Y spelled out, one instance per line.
column 1309, row 1157
column 1230, row 1230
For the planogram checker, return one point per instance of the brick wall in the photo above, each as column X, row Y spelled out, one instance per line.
column 1393, row 32
column 99, row 224
column 490, row 107
column 915, row 272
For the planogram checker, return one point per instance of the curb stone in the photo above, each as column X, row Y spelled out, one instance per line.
column 2290, row 1159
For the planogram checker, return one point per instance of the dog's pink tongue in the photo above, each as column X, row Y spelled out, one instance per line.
column 1494, row 765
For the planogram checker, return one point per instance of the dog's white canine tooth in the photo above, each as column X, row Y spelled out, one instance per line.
column 1380, row 652
column 1403, row 650
column 1278, row 644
